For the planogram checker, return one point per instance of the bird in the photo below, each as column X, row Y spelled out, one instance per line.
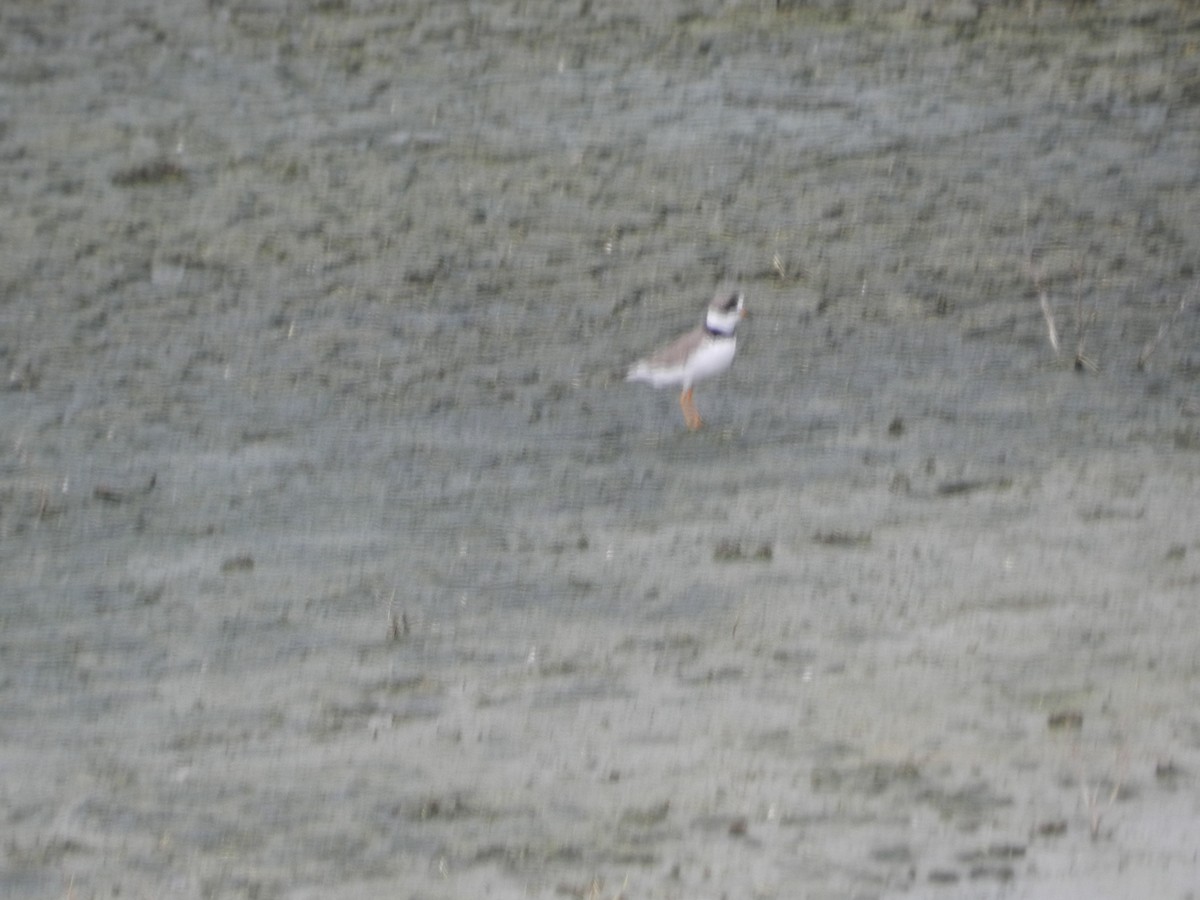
column 702, row 352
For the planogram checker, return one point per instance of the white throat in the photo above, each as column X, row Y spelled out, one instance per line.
column 723, row 322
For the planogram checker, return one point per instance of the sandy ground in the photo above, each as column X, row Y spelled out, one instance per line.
column 337, row 561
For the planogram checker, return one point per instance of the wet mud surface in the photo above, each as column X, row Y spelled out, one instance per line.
column 338, row 560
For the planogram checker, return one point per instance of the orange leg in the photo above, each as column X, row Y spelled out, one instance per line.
column 690, row 416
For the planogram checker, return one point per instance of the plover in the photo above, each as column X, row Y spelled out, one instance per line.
column 708, row 350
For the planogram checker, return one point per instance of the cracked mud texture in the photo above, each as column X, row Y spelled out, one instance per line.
column 337, row 560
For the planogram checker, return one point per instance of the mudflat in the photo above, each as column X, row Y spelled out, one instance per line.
column 338, row 560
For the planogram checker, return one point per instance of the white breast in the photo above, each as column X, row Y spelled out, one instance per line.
column 687, row 364
column 712, row 357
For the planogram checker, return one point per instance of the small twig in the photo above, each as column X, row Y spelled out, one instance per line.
column 597, row 886
column 1091, row 795
column 1082, row 323
column 1049, row 316
column 1034, row 272
column 397, row 625
column 779, row 267
column 1152, row 345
